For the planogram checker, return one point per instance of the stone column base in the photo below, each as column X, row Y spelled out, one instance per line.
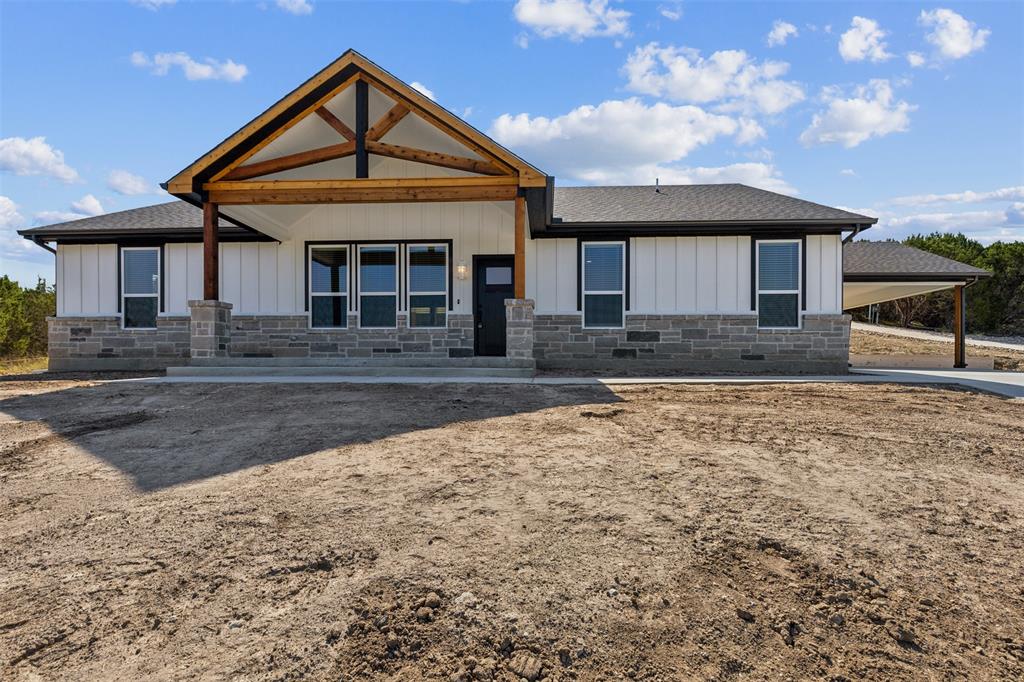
column 519, row 328
column 210, row 329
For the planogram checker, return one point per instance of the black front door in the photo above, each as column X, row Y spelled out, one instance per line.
column 492, row 277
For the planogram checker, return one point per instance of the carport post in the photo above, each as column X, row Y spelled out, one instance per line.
column 959, row 323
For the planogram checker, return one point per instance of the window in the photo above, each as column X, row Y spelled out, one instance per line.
column 378, row 286
column 140, row 287
column 778, row 284
column 603, row 284
column 498, row 275
column 428, row 285
column 328, row 286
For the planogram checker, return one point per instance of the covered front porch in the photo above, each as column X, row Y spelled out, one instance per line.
column 392, row 228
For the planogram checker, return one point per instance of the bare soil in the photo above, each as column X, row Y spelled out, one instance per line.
column 867, row 343
column 277, row 532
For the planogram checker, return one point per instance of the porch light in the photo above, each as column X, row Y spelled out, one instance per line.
column 461, row 271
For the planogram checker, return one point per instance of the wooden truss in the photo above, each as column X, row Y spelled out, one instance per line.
column 226, row 176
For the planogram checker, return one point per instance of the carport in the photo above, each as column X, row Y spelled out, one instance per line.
column 877, row 272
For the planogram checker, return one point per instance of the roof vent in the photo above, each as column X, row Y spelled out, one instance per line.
column 657, row 186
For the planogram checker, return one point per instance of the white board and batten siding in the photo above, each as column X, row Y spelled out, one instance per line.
column 86, row 280
column 668, row 275
column 681, row 275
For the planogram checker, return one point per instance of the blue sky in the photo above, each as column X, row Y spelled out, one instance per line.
column 912, row 112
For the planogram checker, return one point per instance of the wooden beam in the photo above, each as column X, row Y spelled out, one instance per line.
column 336, row 123
column 362, row 196
column 464, row 163
column 211, row 273
column 297, row 160
column 387, row 122
column 362, row 184
column 519, row 279
column 959, row 327
column 362, row 120
column 270, row 138
column 451, row 131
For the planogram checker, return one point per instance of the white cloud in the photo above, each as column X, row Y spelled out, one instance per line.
column 870, row 112
column 152, row 5
column 208, row 69
column 422, row 89
column 762, row 175
column 963, row 221
column 968, row 197
column 780, row 33
column 123, row 182
column 83, row 208
column 749, row 131
column 1006, row 224
column 50, row 217
column 863, row 40
column 87, row 205
column 849, row 172
column 729, row 77
column 12, row 244
column 915, row 59
column 34, row 157
column 614, row 138
column 522, row 40
column 953, row 36
column 295, row 6
column 10, row 218
column 672, row 12
column 467, row 112
column 573, row 19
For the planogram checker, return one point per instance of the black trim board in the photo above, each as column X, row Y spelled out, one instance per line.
column 123, row 239
column 908, row 277
column 612, row 232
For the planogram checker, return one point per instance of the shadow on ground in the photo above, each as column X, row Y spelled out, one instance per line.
column 161, row 435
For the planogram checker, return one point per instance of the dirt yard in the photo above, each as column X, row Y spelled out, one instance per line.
column 867, row 343
column 324, row 532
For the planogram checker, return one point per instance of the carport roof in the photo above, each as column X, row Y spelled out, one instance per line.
column 865, row 261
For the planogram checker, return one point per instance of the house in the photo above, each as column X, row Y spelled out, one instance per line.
column 357, row 221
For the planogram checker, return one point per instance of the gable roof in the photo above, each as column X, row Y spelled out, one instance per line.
column 173, row 218
column 881, row 261
column 304, row 99
column 689, row 204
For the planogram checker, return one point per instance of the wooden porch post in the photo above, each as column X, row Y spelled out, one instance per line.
column 520, row 261
column 959, row 324
column 211, row 279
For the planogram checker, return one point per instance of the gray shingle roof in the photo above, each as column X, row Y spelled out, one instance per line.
column 881, row 259
column 170, row 217
column 690, row 203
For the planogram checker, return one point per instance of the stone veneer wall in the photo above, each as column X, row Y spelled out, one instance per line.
column 695, row 343
column 289, row 336
column 82, row 343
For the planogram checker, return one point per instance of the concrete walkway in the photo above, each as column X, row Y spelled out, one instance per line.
column 1010, row 342
column 1006, row 384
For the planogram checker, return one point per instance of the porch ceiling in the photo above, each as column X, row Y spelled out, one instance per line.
column 857, row 294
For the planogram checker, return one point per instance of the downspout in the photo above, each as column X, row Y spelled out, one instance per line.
column 38, row 241
column 856, row 231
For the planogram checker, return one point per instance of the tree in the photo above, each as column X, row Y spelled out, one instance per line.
column 23, row 313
